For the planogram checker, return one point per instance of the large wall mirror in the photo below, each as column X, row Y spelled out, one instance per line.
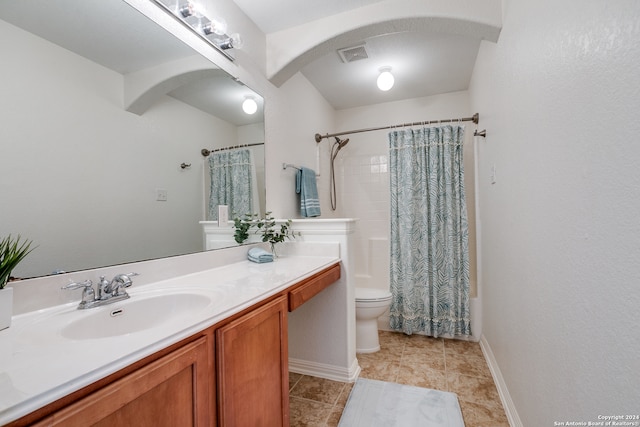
column 100, row 107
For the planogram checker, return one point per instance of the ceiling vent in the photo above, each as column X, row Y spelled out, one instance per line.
column 352, row 54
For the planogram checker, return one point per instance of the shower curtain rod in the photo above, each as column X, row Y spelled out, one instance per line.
column 205, row 152
column 475, row 118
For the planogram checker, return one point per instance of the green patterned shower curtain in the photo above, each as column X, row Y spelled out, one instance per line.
column 429, row 232
column 233, row 183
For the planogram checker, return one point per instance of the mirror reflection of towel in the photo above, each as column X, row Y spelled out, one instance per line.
column 307, row 188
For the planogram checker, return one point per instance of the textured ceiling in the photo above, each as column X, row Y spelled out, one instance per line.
column 424, row 63
column 276, row 15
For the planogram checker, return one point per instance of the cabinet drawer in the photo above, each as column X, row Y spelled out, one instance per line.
column 312, row 286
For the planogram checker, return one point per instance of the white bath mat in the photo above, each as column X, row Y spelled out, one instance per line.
column 380, row 404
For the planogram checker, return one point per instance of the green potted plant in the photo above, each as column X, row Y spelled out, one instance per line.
column 12, row 251
column 242, row 226
column 273, row 233
column 267, row 227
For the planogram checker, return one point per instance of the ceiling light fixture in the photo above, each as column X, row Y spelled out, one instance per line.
column 385, row 79
column 249, row 106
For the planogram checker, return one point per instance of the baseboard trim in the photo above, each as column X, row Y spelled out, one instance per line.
column 330, row 372
column 505, row 397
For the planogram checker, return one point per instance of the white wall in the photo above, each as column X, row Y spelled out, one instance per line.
column 559, row 97
column 85, row 188
column 293, row 116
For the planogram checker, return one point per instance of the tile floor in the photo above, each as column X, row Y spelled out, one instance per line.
column 447, row 365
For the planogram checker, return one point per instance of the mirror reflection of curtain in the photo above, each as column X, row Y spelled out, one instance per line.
column 233, row 183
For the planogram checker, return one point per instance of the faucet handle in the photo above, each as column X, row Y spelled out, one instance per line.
column 88, row 294
column 78, row 285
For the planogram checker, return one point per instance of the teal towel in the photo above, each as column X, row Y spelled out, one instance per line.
column 307, row 188
column 259, row 255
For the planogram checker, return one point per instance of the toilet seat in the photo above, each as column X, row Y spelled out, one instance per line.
column 370, row 294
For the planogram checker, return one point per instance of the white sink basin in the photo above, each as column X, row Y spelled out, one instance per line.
column 134, row 315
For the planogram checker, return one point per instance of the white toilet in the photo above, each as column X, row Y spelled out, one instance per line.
column 370, row 304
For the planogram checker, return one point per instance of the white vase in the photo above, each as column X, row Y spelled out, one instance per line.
column 6, row 307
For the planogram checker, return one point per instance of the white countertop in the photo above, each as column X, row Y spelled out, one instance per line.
column 38, row 365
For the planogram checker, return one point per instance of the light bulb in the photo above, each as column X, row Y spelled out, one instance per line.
column 191, row 8
column 185, row 10
column 238, row 42
column 385, row 79
column 234, row 41
column 216, row 26
column 198, row 9
column 249, row 106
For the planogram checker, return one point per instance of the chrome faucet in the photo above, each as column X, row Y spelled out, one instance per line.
column 115, row 287
column 107, row 291
column 88, row 294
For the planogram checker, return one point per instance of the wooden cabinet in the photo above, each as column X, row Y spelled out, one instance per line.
column 251, row 361
column 234, row 373
column 172, row 391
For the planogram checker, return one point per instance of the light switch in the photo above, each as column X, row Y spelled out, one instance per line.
column 161, row 195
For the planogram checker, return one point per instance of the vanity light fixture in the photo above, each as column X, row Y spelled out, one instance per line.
column 385, row 79
column 249, row 106
column 193, row 15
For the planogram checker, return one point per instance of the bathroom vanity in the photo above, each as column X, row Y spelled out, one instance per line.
column 222, row 361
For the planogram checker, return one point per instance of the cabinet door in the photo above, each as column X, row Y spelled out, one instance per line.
column 172, row 391
column 252, row 368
